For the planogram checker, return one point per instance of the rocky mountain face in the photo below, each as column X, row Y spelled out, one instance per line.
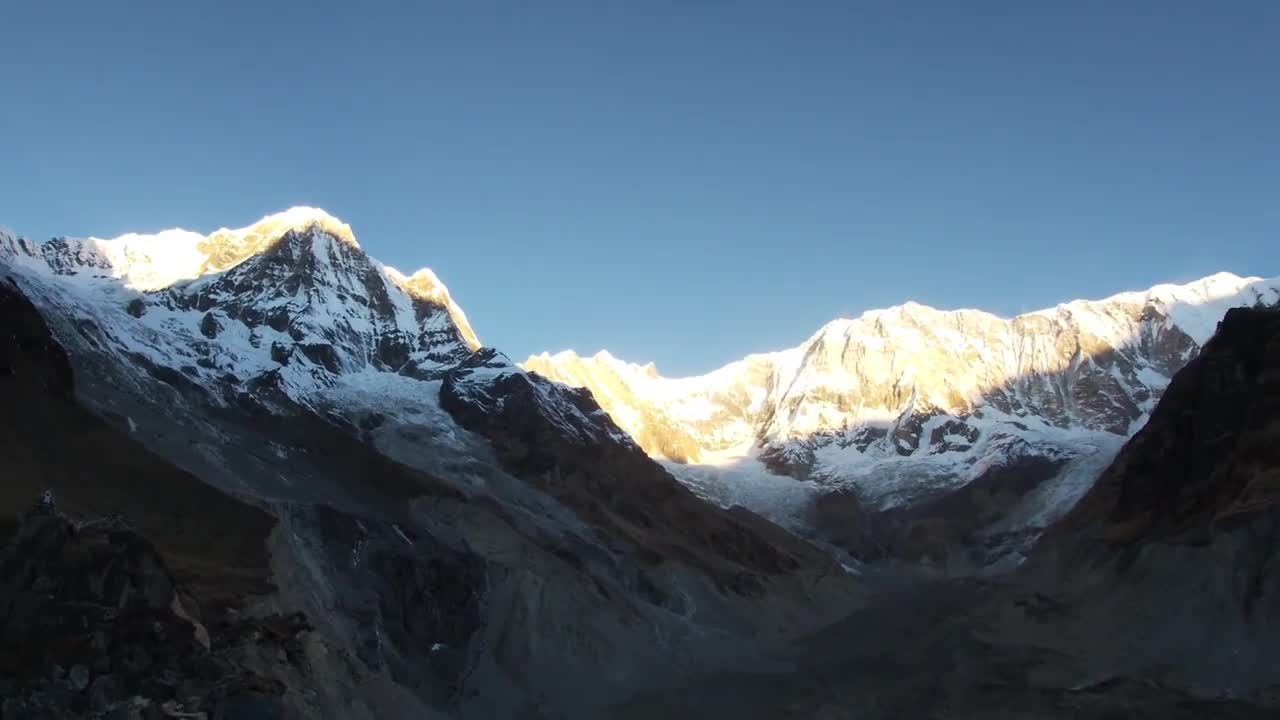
column 368, row 514
column 896, row 409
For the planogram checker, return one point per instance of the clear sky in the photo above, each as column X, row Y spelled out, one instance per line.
column 683, row 182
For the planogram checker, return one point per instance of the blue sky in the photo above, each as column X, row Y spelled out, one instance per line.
column 684, row 182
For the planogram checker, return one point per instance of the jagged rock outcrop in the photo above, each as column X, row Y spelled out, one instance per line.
column 310, row 290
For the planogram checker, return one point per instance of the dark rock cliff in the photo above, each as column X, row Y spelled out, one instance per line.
column 1170, row 565
column 1208, row 460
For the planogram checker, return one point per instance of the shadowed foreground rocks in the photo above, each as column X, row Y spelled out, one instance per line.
column 95, row 625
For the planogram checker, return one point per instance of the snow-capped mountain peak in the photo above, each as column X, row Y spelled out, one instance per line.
column 291, row 300
column 225, row 248
column 913, row 381
column 299, row 217
column 152, row 261
column 1194, row 307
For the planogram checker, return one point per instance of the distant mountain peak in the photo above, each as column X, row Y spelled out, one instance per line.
column 298, row 219
column 293, row 292
column 909, row 370
column 226, row 248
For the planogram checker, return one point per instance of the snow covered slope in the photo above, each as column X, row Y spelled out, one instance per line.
column 909, row 400
column 289, row 303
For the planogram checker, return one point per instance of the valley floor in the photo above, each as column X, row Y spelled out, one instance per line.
column 932, row 649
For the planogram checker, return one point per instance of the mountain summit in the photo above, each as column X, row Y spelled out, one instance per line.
column 293, row 292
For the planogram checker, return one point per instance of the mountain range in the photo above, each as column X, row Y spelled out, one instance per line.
column 446, row 520
column 907, row 404
column 266, row 433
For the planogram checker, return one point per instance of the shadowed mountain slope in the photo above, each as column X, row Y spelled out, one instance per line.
column 49, row 442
